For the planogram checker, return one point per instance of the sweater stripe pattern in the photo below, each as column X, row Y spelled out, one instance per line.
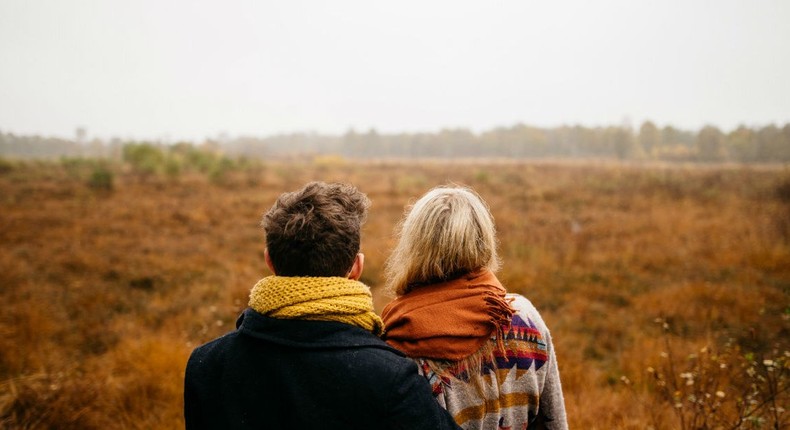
column 503, row 389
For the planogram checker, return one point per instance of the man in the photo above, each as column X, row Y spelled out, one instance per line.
column 306, row 353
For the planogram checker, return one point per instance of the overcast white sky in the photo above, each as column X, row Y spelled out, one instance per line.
column 191, row 69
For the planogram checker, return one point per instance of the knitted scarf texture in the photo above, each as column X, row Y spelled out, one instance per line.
column 450, row 320
column 316, row 298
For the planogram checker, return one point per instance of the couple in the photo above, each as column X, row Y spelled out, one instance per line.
column 454, row 349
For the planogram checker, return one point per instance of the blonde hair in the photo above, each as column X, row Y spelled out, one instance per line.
column 447, row 233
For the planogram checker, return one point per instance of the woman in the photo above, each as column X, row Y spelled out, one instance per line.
column 487, row 354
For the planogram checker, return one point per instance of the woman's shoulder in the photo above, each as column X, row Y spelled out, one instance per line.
column 526, row 311
column 521, row 304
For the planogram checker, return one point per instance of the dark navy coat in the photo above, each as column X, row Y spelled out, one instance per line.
column 295, row 374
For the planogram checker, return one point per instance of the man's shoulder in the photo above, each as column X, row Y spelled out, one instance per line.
column 212, row 348
column 370, row 365
column 308, row 334
column 313, row 337
column 361, row 348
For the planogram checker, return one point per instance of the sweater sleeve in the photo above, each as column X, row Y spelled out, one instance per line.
column 551, row 410
column 411, row 404
column 552, row 403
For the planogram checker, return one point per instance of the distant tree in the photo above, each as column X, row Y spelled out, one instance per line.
column 671, row 136
column 94, row 148
column 498, row 141
column 456, row 142
column 773, row 144
column 742, row 144
column 352, row 143
column 649, row 138
column 372, row 143
column 710, row 144
column 785, row 146
column 80, row 135
column 564, row 140
column 623, row 143
column 767, row 144
column 536, row 141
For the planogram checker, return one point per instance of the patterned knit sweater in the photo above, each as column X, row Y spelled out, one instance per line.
column 515, row 389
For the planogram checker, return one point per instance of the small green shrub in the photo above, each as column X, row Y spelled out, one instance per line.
column 77, row 167
column 5, row 166
column 172, row 167
column 219, row 171
column 782, row 190
column 101, row 179
column 145, row 159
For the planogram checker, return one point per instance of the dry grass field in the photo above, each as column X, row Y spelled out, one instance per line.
column 667, row 289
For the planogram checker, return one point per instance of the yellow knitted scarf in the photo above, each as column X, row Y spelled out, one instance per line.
column 316, row 298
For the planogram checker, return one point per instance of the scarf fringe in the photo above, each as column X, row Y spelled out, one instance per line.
column 501, row 311
column 469, row 369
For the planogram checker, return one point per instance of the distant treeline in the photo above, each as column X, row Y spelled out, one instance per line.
column 709, row 144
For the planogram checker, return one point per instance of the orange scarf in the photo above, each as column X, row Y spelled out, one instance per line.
column 450, row 320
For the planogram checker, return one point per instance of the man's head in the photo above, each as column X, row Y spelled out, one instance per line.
column 315, row 231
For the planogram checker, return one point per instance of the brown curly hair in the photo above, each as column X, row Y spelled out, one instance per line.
column 315, row 231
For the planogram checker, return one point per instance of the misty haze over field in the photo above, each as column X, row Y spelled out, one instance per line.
column 172, row 71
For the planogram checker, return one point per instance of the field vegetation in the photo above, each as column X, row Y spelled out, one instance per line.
column 667, row 289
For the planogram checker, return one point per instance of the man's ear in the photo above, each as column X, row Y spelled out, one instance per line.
column 356, row 269
column 268, row 259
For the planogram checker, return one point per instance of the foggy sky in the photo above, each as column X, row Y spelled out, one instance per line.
column 191, row 69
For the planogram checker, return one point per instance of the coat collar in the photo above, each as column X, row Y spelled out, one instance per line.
column 307, row 333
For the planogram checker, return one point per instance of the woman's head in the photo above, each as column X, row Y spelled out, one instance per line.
column 448, row 232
